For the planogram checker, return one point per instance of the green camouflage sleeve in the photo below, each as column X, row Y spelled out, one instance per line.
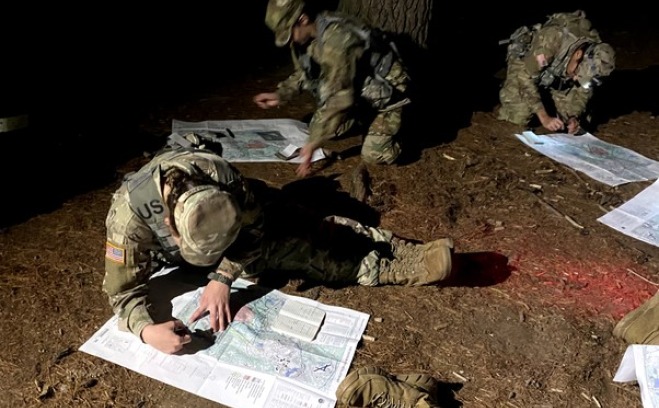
column 232, row 268
column 576, row 102
column 127, row 264
column 338, row 59
column 293, row 85
column 527, row 82
column 545, row 44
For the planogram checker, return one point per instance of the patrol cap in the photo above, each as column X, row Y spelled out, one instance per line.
column 598, row 62
column 280, row 16
column 208, row 220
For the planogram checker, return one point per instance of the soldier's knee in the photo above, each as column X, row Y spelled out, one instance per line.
column 517, row 114
column 380, row 150
column 380, row 157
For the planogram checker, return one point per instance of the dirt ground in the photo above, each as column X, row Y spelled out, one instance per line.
column 537, row 334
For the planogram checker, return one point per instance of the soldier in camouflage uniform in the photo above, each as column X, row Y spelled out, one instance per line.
column 564, row 58
column 354, row 72
column 191, row 207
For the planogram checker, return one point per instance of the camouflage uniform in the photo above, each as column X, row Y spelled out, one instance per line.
column 521, row 96
column 333, row 249
column 335, row 68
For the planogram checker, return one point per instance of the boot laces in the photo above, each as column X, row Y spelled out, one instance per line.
column 407, row 257
column 401, row 248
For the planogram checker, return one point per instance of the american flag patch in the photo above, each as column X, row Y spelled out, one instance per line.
column 115, row 253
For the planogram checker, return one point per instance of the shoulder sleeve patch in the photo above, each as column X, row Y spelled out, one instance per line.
column 115, row 253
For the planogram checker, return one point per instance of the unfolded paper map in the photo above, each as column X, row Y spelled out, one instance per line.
column 602, row 161
column 638, row 217
column 248, row 365
column 257, row 140
column 641, row 363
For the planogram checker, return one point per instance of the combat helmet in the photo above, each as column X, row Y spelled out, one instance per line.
column 598, row 62
column 280, row 16
column 208, row 220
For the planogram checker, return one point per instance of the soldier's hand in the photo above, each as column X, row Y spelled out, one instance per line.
column 267, row 100
column 573, row 125
column 304, row 168
column 164, row 336
column 215, row 301
column 553, row 124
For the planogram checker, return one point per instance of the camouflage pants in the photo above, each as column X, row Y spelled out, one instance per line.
column 514, row 106
column 332, row 250
column 379, row 145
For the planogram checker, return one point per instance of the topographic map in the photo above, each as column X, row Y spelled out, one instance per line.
column 603, row 161
column 252, row 140
column 251, row 343
column 248, row 365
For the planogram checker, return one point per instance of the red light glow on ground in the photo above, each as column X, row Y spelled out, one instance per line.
column 593, row 287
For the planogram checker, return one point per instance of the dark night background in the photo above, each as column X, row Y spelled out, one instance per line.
column 85, row 76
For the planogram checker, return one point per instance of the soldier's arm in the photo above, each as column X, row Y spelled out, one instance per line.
column 529, row 91
column 578, row 99
column 127, row 264
column 243, row 252
column 231, row 268
column 293, row 85
column 338, row 59
column 544, row 46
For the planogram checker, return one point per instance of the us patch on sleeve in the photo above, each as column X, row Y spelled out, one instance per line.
column 115, row 253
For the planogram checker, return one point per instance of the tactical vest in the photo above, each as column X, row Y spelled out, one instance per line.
column 146, row 203
column 379, row 54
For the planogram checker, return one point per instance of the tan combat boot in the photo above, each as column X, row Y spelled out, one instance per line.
column 417, row 264
column 641, row 325
column 424, row 382
column 374, row 387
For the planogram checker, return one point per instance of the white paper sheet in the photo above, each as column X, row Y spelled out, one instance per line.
column 248, row 365
column 256, row 140
column 605, row 162
column 638, row 217
column 641, row 363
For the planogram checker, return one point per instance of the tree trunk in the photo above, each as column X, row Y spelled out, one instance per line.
column 410, row 17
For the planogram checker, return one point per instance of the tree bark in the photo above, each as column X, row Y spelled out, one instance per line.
column 410, row 17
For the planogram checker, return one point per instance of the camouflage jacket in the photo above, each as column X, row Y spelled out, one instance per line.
column 556, row 45
column 134, row 241
column 344, row 65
